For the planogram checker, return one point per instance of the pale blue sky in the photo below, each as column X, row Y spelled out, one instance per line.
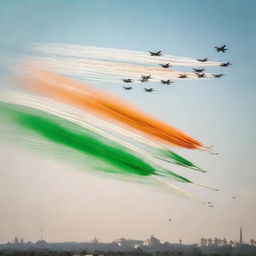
column 219, row 112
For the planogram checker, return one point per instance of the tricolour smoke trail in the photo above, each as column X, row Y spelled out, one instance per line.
column 81, row 51
column 152, row 152
column 66, row 133
column 62, row 131
column 105, row 105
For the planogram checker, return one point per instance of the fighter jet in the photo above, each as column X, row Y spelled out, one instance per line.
column 127, row 80
column 165, row 65
column 166, row 82
column 198, row 70
column 200, row 75
column 149, row 90
column 145, row 78
column 183, row 76
column 203, row 60
column 225, row 64
column 127, row 88
column 221, row 48
column 217, row 75
column 159, row 53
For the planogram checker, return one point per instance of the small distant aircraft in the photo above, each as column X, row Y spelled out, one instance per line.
column 203, row 60
column 200, row 75
column 210, row 205
column 145, row 78
column 166, row 82
column 165, row 65
column 217, row 75
column 234, row 197
column 183, row 76
column 225, row 64
column 221, row 48
column 169, row 219
column 159, row 53
column 127, row 80
column 198, row 70
column 127, row 88
column 149, row 90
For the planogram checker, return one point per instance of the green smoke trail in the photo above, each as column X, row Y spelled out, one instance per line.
column 174, row 158
column 70, row 135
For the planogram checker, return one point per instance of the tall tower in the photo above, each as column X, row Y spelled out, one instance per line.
column 41, row 230
column 241, row 236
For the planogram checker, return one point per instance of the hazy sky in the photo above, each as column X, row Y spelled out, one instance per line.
column 71, row 205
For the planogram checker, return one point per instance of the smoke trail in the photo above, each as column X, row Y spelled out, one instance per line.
column 80, row 51
column 68, row 134
column 110, row 72
column 78, row 94
column 152, row 152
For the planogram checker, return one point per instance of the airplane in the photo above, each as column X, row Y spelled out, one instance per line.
column 170, row 220
column 159, row 53
column 203, row 60
column 221, row 48
column 198, row 70
column 165, row 65
column 127, row 88
column 183, row 76
column 225, row 64
column 166, row 82
column 217, row 75
column 234, row 197
column 145, row 78
column 210, row 205
column 127, row 80
column 200, row 75
column 149, row 90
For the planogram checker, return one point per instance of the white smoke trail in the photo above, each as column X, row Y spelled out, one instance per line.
column 80, row 51
column 110, row 72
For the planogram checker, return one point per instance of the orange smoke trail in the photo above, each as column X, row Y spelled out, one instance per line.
column 105, row 106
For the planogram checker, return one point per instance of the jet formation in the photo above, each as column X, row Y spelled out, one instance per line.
column 199, row 72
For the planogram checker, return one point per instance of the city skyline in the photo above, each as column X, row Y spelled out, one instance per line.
column 239, row 240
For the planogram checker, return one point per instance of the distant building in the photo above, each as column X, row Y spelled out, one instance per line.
column 16, row 240
column 241, row 236
column 152, row 241
column 128, row 243
column 95, row 240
